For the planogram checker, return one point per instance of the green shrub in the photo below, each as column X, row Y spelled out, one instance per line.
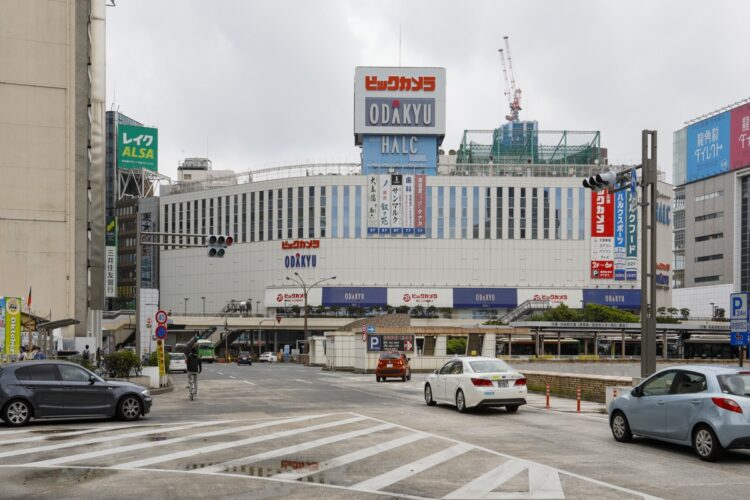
column 121, row 363
column 153, row 360
column 456, row 345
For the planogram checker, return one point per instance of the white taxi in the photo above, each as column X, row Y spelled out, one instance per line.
column 177, row 362
column 472, row 382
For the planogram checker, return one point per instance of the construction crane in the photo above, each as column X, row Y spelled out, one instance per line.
column 512, row 91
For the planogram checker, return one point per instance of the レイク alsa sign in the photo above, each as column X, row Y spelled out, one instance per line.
column 137, row 147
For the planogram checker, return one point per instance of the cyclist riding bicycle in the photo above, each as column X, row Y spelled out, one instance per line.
column 194, row 367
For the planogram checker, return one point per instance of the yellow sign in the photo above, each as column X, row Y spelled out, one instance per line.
column 12, row 325
column 160, row 357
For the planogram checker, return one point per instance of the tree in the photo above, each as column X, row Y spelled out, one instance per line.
column 662, row 311
column 418, row 311
column 431, row 311
column 685, row 313
column 672, row 311
column 295, row 310
column 719, row 315
column 402, row 309
column 456, row 345
column 562, row 313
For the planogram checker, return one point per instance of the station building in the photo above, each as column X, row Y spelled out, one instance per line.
column 502, row 222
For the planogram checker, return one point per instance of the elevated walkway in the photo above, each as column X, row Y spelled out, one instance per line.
column 528, row 307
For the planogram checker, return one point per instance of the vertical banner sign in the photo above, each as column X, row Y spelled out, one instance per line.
column 602, row 235
column 631, row 239
column 160, row 357
column 110, row 258
column 397, row 207
column 385, row 204
column 739, row 137
column 372, row 204
column 408, row 204
column 420, row 183
column 2, row 321
column 12, row 325
column 620, row 216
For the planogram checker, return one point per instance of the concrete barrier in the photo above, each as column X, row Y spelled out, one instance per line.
column 593, row 387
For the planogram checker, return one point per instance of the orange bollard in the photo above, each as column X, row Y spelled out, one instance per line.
column 578, row 399
column 548, row 396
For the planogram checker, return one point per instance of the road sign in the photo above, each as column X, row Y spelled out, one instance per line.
column 370, row 329
column 148, row 322
column 408, row 345
column 738, row 324
column 161, row 332
column 739, row 338
column 161, row 317
column 374, row 343
column 738, row 306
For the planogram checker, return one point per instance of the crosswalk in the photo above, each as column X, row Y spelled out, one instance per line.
column 341, row 451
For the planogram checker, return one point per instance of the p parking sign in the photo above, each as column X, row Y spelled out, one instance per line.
column 374, row 343
column 738, row 319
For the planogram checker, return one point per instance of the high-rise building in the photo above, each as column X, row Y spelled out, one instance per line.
column 52, row 99
column 114, row 119
column 711, row 210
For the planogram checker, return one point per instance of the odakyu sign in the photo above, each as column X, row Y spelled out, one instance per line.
column 300, row 260
column 355, row 296
column 623, row 299
column 484, row 297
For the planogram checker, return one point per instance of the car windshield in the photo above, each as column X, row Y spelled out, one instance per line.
column 176, row 355
column 390, row 355
column 489, row 366
column 735, row 383
column 244, row 353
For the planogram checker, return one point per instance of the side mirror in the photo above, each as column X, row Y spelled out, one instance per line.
column 408, row 359
column 637, row 392
column 92, row 379
column 435, row 372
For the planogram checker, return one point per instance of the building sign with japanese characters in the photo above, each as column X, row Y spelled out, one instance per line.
column 602, row 235
column 708, row 147
column 739, row 137
column 407, row 153
column 110, row 258
column 137, row 147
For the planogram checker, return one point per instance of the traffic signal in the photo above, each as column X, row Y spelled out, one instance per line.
column 217, row 244
column 599, row 182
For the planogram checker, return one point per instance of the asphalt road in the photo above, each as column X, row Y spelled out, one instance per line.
column 282, row 430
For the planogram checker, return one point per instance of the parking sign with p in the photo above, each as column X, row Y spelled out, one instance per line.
column 738, row 306
column 374, row 343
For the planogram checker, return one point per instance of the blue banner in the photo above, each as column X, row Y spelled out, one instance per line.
column 355, row 296
column 708, row 147
column 623, row 299
column 417, row 152
column 484, row 297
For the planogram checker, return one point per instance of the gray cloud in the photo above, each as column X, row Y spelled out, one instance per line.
column 267, row 83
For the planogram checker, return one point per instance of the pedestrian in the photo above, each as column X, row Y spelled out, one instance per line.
column 39, row 354
column 99, row 355
column 194, row 367
column 22, row 354
column 86, row 355
column 32, row 353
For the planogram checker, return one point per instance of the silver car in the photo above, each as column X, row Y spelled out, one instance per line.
column 706, row 407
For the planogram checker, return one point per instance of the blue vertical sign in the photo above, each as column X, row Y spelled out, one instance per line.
column 738, row 319
column 620, row 226
column 631, row 240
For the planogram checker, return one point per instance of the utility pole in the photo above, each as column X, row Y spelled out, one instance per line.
column 305, row 289
column 648, row 252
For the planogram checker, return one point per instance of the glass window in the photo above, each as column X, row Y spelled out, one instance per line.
column 270, row 215
column 534, row 214
column 441, row 212
column 289, row 212
column 311, row 212
column 464, row 205
column 244, row 217
column 523, row 213
column 23, row 373
column 261, row 215
column 737, row 384
column 511, row 212
column 252, row 216
column 280, row 214
column 581, row 213
column 659, row 385
column 73, row 374
column 690, row 383
column 323, row 204
column 211, row 216
column 495, row 365
column 488, row 213
column 475, row 212
column 569, row 212
column 358, row 212
column 499, row 217
column 334, row 212
column 428, row 211
column 706, row 258
column 545, row 214
column 452, row 212
column 558, row 212
column 457, row 368
column 446, row 369
column 227, row 229
column 44, row 372
column 218, row 214
column 300, row 212
column 195, row 221
column 346, row 211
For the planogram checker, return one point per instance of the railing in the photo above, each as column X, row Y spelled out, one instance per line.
column 525, row 307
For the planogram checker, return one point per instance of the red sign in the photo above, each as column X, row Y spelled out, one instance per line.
column 161, row 316
column 661, row 266
column 739, row 137
column 400, row 83
column 602, row 214
column 300, row 244
column 602, row 269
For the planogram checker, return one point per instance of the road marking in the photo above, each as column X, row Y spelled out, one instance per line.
column 297, row 448
column 232, row 376
column 150, row 444
column 328, row 374
column 399, row 474
column 248, row 382
column 90, row 430
column 544, row 483
column 104, row 439
column 220, row 373
column 354, row 456
column 224, row 446
column 305, row 381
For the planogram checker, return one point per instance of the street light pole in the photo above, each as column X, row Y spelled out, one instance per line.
column 305, row 289
column 204, row 305
column 186, row 300
column 648, row 253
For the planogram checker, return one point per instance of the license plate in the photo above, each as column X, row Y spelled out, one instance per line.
column 390, row 365
column 502, row 383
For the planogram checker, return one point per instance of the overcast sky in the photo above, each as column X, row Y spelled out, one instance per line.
column 258, row 84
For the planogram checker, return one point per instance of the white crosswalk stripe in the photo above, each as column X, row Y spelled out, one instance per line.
column 346, row 452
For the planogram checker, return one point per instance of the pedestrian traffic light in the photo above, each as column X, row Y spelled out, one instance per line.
column 217, row 244
column 599, row 182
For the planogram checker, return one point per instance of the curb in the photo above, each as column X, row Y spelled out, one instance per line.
column 162, row 390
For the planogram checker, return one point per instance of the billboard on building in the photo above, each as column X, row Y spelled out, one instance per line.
column 110, row 258
column 624, row 299
column 355, row 296
column 137, row 147
column 570, row 297
column 739, row 137
column 385, row 204
column 394, row 100
column 602, row 235
column 373, row 208
column 425, row 297
column 485, row 297
column 708, row 147
column 631, row 240
column 408, row 198
column 290, row 297
column 397, row 205
column 420, row 203
column 620, row 234
column 417, row 153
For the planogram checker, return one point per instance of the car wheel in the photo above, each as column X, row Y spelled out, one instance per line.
column 129, row 408
column 428, row 395
column 17, row 413
column 403, row 379
column 408, row 375
column 706, row 444
column 460, row 401
column 511, row 408
column 620, row 427
column 377, row 379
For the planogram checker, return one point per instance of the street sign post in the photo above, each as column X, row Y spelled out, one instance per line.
column 738, row 322
column 370, row 329
column 161, row 317
column 160, row 357
column 364, row 332
column 161, row 332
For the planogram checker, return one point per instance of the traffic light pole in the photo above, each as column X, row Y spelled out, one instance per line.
column 648, row 252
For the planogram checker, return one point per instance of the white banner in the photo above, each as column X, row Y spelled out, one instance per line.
column 602, row 248
column 385, row 203
column 425, row 297
column 397, row 204
column 572, row 298
column 110, row 271
column 372, row 204
column 408, row 204
column 149, row 304
column 281, row 298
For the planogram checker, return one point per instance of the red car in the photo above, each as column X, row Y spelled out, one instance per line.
column 393, row 364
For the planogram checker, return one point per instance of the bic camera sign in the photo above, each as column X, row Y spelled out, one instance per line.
column 137, row 147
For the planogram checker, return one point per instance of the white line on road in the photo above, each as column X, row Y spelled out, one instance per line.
column 305, row 381
column 232, row 376
column 354, row 456
column 408, row 470
column 90, row 430
column 220, row 373
column 151, row 444
column 544, row 483
column 104, row 439
column 289, row 450
column 223, row 446
column 248, row 382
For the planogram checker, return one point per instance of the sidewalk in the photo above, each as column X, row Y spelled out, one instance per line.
column 566, row 405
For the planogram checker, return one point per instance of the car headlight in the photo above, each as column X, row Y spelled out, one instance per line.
column 146, row 392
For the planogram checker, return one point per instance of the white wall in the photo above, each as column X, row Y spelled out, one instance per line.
column 698, row 299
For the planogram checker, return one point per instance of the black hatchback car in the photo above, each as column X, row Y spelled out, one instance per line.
column 244, row 358
column 59, row 389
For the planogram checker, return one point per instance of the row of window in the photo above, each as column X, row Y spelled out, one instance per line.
column 709, row 196
column 513, row 213
column 707, row 279
column 707, row 237
column 707, row 258
column 713, row 215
